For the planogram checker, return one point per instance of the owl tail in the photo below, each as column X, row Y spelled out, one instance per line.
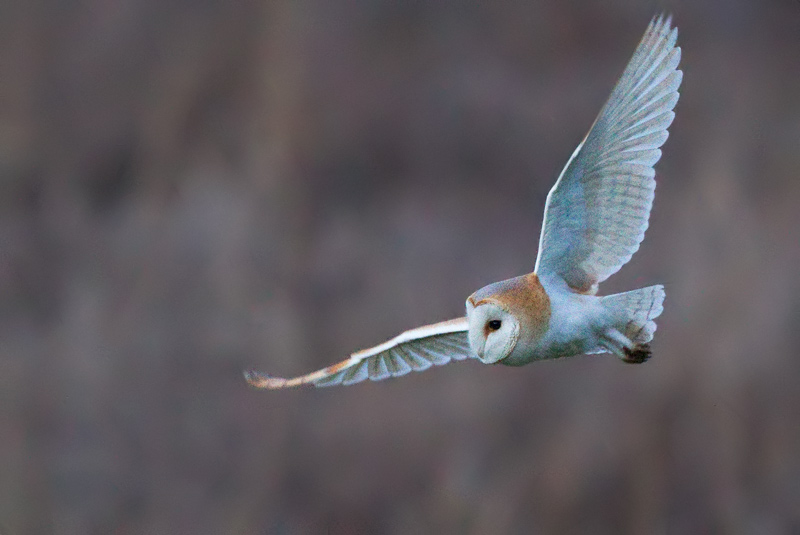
column 636, row 311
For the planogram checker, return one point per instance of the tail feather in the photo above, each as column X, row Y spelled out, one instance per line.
column 636, row 311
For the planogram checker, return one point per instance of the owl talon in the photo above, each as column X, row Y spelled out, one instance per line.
column 638, row 354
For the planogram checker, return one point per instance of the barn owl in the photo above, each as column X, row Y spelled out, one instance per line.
column 595, row 218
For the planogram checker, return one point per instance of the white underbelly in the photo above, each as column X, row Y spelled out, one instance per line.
column 575, row 324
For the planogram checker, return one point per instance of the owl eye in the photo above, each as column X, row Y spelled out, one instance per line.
column 494, row 325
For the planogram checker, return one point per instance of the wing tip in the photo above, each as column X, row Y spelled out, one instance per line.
column 662, row 20
column 264, row 381
column 662, row 26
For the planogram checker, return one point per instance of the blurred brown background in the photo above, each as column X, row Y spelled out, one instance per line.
column 191, row 188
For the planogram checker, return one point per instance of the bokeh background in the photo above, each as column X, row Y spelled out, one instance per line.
column 192, row 188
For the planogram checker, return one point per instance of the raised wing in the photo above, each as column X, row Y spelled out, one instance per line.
column 414, row 350
column 598, row 210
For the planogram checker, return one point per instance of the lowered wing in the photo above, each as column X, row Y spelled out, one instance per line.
column 414, row 350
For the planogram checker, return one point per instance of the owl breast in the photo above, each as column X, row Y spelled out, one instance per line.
column 573, row 325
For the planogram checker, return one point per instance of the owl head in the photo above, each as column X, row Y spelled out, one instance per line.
column 507, row 317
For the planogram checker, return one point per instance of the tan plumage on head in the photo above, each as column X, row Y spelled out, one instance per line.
column 507, row 314
column 595, row 219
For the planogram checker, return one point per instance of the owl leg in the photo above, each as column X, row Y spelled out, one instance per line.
column 624, row 348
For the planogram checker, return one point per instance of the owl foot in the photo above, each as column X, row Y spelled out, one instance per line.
column 638, row 354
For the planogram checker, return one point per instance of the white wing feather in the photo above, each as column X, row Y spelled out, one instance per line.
column 414, row 350
column 598, row 210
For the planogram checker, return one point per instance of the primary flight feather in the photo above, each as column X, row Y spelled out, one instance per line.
column 595, row 218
